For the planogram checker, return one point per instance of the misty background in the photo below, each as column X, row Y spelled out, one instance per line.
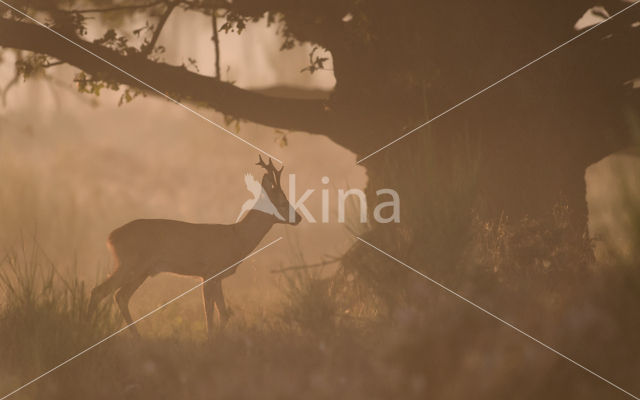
column 75, row 166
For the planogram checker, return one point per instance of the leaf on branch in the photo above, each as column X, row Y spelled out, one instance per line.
column 32, row 65
column 230, row 119
column 315, row 62
column 128, row 96
column 234, row 22
column 282, row 138
column 69, row 22
column 288, row 44
column 193, row 63
column 116, row 42
column 91, row 85
column 146, row 27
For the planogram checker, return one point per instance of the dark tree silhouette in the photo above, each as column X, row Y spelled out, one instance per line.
column 396, row 65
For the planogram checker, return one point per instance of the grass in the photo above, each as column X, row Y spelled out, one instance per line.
column 45, row 315
column 347, row 335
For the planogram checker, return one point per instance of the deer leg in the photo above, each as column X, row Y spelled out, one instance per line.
column 208, row 297
column 219, row 300
column 122, row 298
column 110, row 285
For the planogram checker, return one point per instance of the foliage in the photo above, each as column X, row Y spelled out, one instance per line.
column 316, row 62
column 43, row 315
column 32, row 65
column 374, row 329
column 313, row 346
column 309, row 303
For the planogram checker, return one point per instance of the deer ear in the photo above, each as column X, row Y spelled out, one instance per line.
column 260, row 162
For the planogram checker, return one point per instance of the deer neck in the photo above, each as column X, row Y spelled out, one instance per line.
column 254, row 226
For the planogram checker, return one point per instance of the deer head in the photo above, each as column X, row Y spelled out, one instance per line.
column 271, row 185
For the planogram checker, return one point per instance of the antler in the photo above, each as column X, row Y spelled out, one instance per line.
column 270, row 168
column 261, row 163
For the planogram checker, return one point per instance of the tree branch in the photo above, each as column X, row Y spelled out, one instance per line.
column 310, row 115
column 148, row 48
column 216, row 42
column 8, row 86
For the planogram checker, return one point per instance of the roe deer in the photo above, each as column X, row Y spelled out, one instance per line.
column 145, row 247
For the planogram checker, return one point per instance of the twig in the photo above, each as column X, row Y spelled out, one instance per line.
column 9, row 85
column 148, row 48
column 306, row 266
column 117, row 8
column 53, row 64
column 216, row 42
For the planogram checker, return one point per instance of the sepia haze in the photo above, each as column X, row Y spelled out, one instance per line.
column 74, row 167
column 77, row 166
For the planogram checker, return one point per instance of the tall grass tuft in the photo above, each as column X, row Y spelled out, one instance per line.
column 43, row 315
column 309, row 304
